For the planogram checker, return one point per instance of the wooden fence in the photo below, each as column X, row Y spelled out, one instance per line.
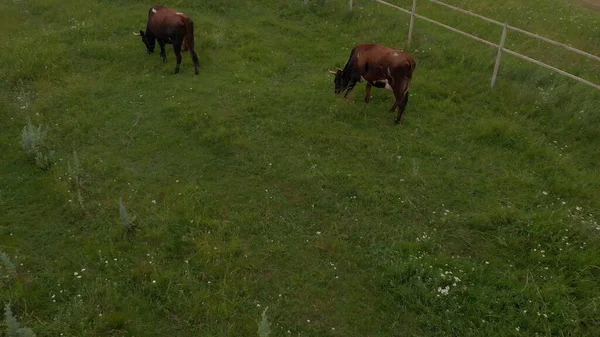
column 500, row 46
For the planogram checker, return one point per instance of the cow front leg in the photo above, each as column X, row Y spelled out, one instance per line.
column 177, row 48
column 163, row 54
column 368, row 96
column 350, row 86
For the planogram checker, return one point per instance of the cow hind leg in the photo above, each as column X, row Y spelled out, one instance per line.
column 393, row 107
column 401, row 99
column 368, row 96
column 405, row 102
column 401, row 103
column 177, row 48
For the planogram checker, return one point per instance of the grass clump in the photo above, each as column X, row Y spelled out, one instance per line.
column 126, row 219
column 33, row 141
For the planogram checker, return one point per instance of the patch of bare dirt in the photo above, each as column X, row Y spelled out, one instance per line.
column 593, row 4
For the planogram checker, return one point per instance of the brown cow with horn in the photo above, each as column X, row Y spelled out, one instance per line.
column 169, row 26
column 381, row 67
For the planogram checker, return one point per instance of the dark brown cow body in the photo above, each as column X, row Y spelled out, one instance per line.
column 381, row 67
column 169, row 26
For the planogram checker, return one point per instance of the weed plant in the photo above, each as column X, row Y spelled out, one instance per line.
column 13, row 328
column 33, row 141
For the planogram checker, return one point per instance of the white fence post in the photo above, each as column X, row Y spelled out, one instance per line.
column 499, row 56
column 412, row 21
column 351, row 3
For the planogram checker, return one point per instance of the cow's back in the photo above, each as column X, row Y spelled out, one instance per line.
column 387, row 57
column 377, row 59
column 162, row 20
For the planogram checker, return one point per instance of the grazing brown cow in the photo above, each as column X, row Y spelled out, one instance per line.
column 381, row 67
column 167, row 25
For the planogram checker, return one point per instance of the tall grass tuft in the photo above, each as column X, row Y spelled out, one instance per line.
column 76, row 175
column 126, row 220
column 264, row 327
column 13, row 328
column 33, row 142
column 8, row 266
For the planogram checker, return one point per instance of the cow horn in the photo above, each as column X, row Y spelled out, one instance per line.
column 136, row 34
column 333, row 72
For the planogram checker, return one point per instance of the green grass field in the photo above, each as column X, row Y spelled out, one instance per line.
column 252, row 185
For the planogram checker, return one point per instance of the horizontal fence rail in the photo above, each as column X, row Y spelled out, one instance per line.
column 597, row 58
column 508, row 51
column 394, row 6
column 458, row 9
column 500, row 46
column 519, row 30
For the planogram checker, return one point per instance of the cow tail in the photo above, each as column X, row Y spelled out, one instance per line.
column 188, row 40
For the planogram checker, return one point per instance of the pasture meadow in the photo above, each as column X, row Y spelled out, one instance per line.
column 186, row 205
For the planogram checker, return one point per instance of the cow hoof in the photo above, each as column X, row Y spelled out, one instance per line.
column 397, row 122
